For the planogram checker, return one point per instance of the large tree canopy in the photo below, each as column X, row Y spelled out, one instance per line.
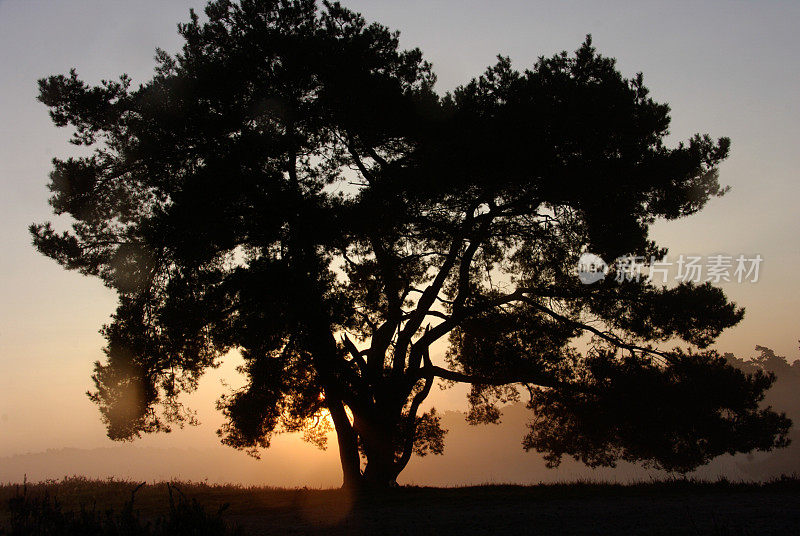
column 290, row 186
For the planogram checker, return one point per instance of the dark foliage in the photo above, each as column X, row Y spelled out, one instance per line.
column 680, row 416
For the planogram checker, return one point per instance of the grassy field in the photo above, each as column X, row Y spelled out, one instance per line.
column 663, row 508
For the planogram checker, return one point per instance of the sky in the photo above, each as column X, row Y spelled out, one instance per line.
column 728, row 68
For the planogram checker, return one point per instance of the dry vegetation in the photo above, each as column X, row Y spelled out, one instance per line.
column 672, row 507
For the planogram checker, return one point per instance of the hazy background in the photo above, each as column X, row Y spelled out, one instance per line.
column 727, row 68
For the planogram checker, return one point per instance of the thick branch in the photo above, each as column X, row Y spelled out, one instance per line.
column 433, row 371
column 443, row 328
column 431, row 293
column 408, row 447
column 375, row 156
column 616, row 341
column 358, row 355
column 351, row 148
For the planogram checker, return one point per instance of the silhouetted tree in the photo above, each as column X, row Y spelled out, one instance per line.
column 291, row 186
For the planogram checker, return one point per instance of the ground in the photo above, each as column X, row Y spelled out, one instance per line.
column 659, row 508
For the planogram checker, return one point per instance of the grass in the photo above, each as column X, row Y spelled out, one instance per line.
column 76, row 505
column 39, row 509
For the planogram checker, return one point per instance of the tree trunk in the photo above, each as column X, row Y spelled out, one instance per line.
column 380, row 471
column 348, row 445
column 378, row 441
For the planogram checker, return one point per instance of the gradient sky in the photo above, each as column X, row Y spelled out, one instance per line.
column 727, row 68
